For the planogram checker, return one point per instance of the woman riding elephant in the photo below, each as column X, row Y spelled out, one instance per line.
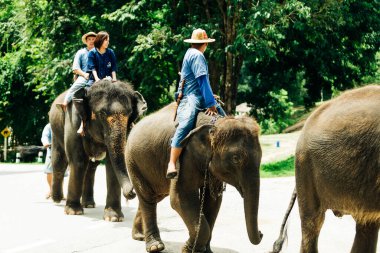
column 110, row 108
column 228, row 151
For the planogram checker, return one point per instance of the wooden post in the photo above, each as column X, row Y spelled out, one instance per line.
column 5, row 148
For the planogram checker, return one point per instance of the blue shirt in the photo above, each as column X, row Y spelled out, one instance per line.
column 195, row 72
column 104, row 64
column 46, row 138
column 80, row 59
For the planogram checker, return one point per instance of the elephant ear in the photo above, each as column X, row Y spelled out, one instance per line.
column 140, row 106
column 202, row 132
column 141, row 103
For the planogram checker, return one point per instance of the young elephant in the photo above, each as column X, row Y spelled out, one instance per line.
column 110, row 108
column 228, row 151
column 338, row 168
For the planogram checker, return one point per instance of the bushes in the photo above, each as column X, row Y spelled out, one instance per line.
column 277, row 115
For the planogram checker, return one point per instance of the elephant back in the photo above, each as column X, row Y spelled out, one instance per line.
column 338, row 151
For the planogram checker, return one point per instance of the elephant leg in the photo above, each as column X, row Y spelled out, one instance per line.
column 312, row 218
column 187, row 204
column 59, row 164
column 153, row 242
column 365, row 238
column 137, row 230
column 311, row 225
column 211, row 210
column 78, row 165
column 112, row 210
column 88, row 185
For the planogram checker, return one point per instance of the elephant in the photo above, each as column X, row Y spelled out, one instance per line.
column 337, row 167
column 109, row 110
column 228, row 151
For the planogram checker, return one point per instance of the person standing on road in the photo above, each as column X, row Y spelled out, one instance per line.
column 46, row 142
column 196, row 94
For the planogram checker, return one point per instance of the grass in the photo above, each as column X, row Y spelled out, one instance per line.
column 284, row 168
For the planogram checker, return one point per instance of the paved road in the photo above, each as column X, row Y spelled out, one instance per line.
column 29, row 223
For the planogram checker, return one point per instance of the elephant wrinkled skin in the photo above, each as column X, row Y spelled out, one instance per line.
column 109, row 110
column 338, row 167
column 230, row 152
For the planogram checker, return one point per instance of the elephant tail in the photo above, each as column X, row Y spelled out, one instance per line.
column 277, row 246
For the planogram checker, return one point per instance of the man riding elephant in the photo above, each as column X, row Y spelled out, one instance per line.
column 228, row 151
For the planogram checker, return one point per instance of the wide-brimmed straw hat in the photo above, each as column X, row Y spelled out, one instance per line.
column 84, row 37
column 199, row 36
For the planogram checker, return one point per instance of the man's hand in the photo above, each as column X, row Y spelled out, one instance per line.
column 86, row 76
column 211, row 111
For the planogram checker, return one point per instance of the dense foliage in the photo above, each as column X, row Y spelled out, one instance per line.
column 272, row 54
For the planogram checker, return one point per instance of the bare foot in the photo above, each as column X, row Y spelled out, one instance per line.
column 171, row 172
column 48, row 196
column 81, row 130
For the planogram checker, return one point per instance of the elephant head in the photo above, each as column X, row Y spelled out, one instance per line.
column 234, row 157
column 109, row 109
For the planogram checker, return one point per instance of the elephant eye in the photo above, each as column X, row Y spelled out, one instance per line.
column 102, row 113
column 235, row 159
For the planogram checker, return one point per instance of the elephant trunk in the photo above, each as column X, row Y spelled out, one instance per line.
column 116, row 145
column 251, row 206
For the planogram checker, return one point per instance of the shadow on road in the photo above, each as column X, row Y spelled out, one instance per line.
column 175, row 247
column 96, row 214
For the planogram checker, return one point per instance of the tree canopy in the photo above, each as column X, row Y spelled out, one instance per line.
column 272, row 54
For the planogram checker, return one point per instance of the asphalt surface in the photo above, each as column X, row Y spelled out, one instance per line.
column 30, row 223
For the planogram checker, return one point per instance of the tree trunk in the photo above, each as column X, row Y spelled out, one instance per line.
column 233, row 62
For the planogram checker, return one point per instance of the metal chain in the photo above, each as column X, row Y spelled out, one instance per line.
column 200, row 211
column 212, row 121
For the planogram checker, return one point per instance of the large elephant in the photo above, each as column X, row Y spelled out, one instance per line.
column 338, row 167
column 109, row 109
column 228, row 151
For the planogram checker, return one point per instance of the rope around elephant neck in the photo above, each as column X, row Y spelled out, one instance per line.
column 200, row 211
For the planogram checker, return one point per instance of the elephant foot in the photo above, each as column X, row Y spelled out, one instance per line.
column 208, row 248
column 113, row 215
column 153, row 243
column 138, row 236
column 73, row 210
column 88, row 204
column 187, row 248
column 57, row 198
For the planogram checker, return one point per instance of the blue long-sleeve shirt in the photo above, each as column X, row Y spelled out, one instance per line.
column 206, row 91
column 195, row 72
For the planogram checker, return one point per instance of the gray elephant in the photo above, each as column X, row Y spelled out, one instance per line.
column 338, row 167
column 228, row 151
column 108, row 110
